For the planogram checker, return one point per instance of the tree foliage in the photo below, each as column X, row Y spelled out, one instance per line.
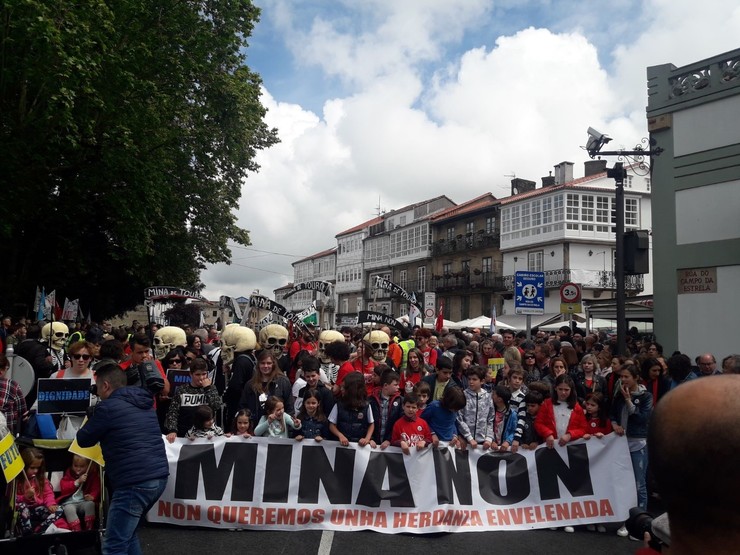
column 181, row 314
column 127, row 128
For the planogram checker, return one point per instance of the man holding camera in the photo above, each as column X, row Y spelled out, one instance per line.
column 125, row 424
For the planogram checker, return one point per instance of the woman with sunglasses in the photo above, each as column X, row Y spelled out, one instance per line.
column 532, row 372
column 80, row 353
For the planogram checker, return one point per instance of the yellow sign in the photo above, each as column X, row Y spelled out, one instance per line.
column 10, row 458
column 494, row 365
column 94, row 453
column 571, row 308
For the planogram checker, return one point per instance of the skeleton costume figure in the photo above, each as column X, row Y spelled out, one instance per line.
column 275, row 337
column 54, row 335
column 237, row 352
column 329, row 368
column 217, row 356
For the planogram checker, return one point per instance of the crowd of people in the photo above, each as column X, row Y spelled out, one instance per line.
column 410, row 388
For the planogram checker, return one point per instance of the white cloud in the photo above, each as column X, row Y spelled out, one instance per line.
column 521, row 104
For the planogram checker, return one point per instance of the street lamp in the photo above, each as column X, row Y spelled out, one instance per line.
column 636, row 159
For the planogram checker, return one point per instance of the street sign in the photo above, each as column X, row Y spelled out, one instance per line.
column 430, row 309
column 529, row 292
column 570, row 298
column 570, row 293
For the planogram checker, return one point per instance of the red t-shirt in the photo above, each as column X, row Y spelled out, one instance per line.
column 410, row 431
column 413, row 378
column 344, row 369
column 368, row 370
column 430, row 356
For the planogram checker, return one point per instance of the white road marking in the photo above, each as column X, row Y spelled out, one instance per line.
column 327, row 537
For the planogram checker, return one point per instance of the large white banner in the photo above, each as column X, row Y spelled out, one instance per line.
column 284, row 485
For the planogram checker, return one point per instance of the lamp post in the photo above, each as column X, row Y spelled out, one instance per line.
column 636, row 157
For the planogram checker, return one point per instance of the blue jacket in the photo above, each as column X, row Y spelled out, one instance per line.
column 126, row 426
column 637, row 422
column 442, row 421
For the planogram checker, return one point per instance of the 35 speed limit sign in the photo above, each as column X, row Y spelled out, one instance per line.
column 570, row 293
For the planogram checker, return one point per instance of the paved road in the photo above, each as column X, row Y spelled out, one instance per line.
column 165, row 540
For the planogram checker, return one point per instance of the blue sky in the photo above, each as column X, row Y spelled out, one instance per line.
column 405, row 100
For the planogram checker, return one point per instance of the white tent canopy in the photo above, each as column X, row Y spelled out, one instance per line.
column 446, row 323
column 482, row 322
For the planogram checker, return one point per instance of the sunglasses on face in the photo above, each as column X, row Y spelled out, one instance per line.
column 176, row 361
column 83, row 357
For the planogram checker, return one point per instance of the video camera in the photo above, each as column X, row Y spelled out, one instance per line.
column 641, row 521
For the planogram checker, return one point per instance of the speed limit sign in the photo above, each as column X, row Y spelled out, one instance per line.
column 570, row 293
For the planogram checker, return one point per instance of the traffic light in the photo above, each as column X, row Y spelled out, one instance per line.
column 636, row 252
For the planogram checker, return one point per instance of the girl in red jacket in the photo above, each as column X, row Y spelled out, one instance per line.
column 598, row 423
column 80, row 492
column 561, row 417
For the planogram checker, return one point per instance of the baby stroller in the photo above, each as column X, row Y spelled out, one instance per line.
column 59, row 541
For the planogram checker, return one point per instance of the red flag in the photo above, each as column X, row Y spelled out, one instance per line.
column 440, row 316
column 57, row 310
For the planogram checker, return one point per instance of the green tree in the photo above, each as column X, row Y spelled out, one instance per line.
column 127, row 128
column 181, row 314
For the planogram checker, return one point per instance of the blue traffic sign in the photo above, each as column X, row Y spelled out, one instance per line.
column 529, row 292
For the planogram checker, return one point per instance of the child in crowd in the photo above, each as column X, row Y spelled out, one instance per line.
column 525, row 434
column 80, row 491
column 597, row 416
column 312, row 378
column 276, row 421
column 441, row 415
column 387, row 406
column 475, row 419
column 351, row 419
column 242, row 425
column 200, row 391
column 313, row 421
column 561, row 418
column 504, row 419
column 204, row 425
column 597, row 425
column 441, row 380
column 517, row 388
column 34, row 498
column 423, row 392
column 413, row 373
column 410, row 430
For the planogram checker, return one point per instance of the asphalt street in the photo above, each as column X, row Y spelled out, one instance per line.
column 166, row 540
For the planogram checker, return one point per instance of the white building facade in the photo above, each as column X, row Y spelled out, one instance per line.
column 565, row 230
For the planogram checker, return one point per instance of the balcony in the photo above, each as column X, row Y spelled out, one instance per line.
column 466, row 242
column 588, row 279
column 463, row 282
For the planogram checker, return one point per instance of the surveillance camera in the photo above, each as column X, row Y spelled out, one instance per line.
column 596, row 140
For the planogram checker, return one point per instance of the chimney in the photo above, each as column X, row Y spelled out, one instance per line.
column 519, row 185
column 563, row 173
column 593, row 167
column 548, row 181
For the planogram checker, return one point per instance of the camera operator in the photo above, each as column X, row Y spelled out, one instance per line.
column 125, row 424
column 693, row 443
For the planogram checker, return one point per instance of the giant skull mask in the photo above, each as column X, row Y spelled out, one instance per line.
column 167, row 338
column 326, row 337
column 274, row 337
column 237, row 339
column 379, row 342
column 227, row 344
column 59, row 333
